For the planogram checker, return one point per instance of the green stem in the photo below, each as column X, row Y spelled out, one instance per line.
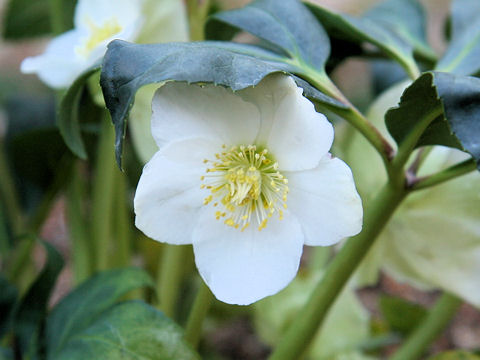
column 322, row 82
column 170, row 275
column 452, row 172
column 436, row 321
column 81, row 245
column 9, row 195
column 56, row 16
column 310, row 318
column 122, row 221
column 411, row 139
column 203, row 300
column 197, row 15
column 102, row 197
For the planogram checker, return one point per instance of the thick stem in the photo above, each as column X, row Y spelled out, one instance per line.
column 203, row 300
column 452, row 172
column 309, row 319
column 102, row 197
column 81, row 245
column 122, row 221
column 436, row 321
column 171, row 269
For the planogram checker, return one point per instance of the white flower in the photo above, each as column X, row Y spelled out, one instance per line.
column 247, row 179
column 96, row 23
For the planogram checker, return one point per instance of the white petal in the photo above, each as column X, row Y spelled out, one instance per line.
column 325, row 202
column 291, row 129
column 243, row 267
column 181, row 110
column 168, row 194
column 59, row 65
column 99, row 11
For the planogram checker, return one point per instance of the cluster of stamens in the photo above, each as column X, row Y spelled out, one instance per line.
column 245, row 186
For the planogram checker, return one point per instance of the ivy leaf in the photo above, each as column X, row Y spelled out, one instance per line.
column 407, row 19
column 68, row 114
column 29, row 313
column 368, row 30
column 463, row 52
column 130, row 330
column 127, row 67
column 81, row 307
column 450, row 105
column 25, row 18
column 286, row 25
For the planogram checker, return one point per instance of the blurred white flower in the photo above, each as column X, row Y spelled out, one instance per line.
column 246, row 178
column 433, row 240
column 96, row 23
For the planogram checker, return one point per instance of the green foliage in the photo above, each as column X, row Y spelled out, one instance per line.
column 407, row 20
column 30, row 311
column 371, row 31
column 444, row 107
column 463, row 52
column 129, row 330
column 25, row 18
column 90, row 321
column 401, row 315
column 82, row 306
column 289, row 28
column 69, row 113
column 127, row 67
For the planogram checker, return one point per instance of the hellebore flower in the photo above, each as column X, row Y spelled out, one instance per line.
column 96, row 23
column 246, row 178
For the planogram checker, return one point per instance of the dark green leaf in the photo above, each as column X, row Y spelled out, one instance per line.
column 68, row 115
column 26, row 18
column 8, row 297
column 367, row 30
column 127, row 67
column 401, row 315
column 455, row 355
column 30, row 311
column 463, row 53
column 405, row 18
column 287, row 25
column 84, row 305
column 130, row 330
column 451, row 106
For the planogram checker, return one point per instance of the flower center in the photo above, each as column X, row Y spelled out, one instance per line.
column 98, row 33
column 246, row 186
